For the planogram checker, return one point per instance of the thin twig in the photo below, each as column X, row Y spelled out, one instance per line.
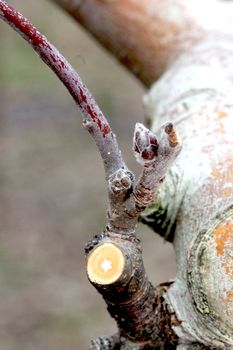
column 156, row 158
column 94, row 120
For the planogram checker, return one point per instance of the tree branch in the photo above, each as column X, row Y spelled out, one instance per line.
column 196, row 199
column 194, row 46
column 145, row 36
column 156, row 158
column 94, row 120
column 114, row 258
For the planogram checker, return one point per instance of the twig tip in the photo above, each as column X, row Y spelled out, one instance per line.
column 173, row 136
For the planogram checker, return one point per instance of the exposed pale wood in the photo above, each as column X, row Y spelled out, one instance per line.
column 105, row 264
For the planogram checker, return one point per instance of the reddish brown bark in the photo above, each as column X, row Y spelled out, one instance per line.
column 147, row 36
column 93, row 119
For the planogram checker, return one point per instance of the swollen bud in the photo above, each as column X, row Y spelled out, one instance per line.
column 145, row 144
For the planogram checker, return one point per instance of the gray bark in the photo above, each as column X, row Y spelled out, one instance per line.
column 196, row 200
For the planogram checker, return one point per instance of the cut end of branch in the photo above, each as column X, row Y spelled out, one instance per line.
column 105, row 264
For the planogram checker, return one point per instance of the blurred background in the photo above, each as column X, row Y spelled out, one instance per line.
column 52, row 191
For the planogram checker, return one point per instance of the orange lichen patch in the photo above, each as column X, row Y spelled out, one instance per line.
column 223, row 235
column 229, row 297
column 223, row 173
column 216, row 172
column 224, row 169
column 220, row 112
column 227, row 192
column 229, row 269
column 105, row 264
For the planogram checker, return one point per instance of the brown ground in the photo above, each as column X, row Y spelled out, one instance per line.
column 52, row 194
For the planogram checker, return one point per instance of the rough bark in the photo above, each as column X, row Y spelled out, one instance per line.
column 197, row 197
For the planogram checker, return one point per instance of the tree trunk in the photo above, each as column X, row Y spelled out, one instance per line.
column 196, row 200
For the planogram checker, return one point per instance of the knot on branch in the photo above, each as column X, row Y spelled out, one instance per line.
column 120, row 182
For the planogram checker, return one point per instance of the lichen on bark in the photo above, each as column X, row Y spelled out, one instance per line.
column 199, row 190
